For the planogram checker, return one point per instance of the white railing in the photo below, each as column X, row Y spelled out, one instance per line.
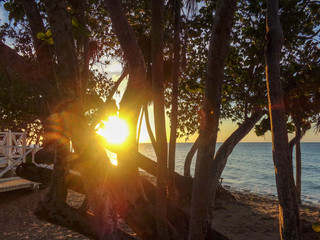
column 13, row 150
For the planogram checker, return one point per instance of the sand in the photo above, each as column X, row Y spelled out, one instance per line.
column 251, row 217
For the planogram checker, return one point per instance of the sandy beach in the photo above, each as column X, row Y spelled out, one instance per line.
column 250, row 217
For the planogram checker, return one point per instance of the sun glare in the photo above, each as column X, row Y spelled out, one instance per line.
column 115, row 130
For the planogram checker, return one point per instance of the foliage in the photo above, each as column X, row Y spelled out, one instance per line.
column 244, row 89
column 102, row 47
column 20, row 108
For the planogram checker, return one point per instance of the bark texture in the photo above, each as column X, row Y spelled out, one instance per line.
column 44, row 54
column 159, row 116
column 67, row 64
column 289, row 217
column 206, row 174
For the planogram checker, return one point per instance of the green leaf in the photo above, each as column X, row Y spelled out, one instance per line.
column 41, row 35
column 50, row 41
column 75, row 22
column 316, row 227
column 48, row 33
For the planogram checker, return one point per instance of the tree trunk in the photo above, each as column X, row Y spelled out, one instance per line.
column 67, row 123
column 150, row 133
column 134, row 96
column 174, row 102
column 67, row 64
column 206, row 174
column 44, row 60
column 139, row 213
column 227, row 147
column 84, row 42
column 298, row 171
column 188, row 160
column 44, row 57
column 289, row 216
column 296, row 142
column 81, row 223
column 159, row 116
column 110, row 189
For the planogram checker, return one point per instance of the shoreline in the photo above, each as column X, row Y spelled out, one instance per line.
column 251, row 217
column 270, row 196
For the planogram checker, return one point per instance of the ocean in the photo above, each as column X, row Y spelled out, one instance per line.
column 250, row 168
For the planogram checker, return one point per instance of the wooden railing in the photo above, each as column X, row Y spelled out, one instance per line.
column 14, row 150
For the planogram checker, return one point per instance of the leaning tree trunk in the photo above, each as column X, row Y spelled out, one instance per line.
column 229, row 144
column 174, row 101
column 159, row 116
column 296, row 142
column 189, row 157
column 227, row 147
column 206, row 175
column 289, row 216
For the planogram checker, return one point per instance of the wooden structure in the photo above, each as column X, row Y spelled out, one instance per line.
column 14, row 183
column 14, row 151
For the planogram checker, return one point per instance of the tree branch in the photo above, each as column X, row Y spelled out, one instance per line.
column 150, row 133
column 102, row 111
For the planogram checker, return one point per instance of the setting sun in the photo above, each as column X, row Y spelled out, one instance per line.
column 115, row 130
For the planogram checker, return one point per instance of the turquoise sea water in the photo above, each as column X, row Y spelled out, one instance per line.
column 250, row 168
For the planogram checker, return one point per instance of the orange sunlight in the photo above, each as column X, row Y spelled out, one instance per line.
column 115, row 130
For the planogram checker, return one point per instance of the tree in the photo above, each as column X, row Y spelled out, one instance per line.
column 289, row 216
column 174, row 102
column 159, row 116
column 129, row 198
column 206, row 177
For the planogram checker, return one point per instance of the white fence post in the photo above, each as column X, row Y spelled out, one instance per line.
column 24, row 144
column 9, row 150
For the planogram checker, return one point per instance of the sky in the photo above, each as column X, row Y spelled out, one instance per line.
column 3, row 14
